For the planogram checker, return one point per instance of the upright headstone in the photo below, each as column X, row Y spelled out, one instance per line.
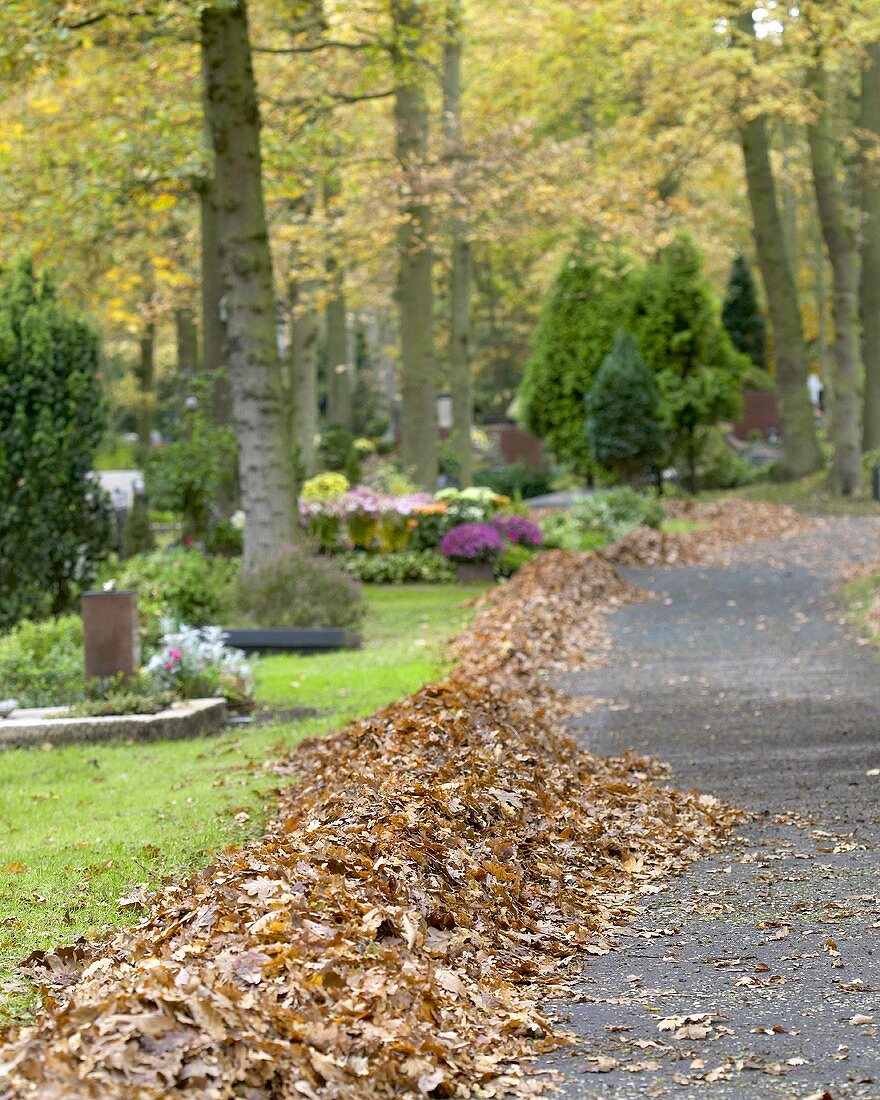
column 110, row 634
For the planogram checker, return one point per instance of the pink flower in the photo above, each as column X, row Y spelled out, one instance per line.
column 174, row 655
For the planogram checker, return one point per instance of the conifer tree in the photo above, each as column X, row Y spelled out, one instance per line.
column 623, row 426
column 741, row 315
column 589, row 301
column 699, row 373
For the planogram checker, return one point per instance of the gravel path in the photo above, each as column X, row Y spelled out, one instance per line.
column 758, row 973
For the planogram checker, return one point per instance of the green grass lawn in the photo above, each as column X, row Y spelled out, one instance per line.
column 81, row 825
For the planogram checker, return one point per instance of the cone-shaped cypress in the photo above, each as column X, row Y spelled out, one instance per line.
column 623, row 427
column 699, row 373
column 742, row 316
column 587, row 304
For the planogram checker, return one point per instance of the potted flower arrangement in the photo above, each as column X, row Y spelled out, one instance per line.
column 473, row 547
column 519, row 530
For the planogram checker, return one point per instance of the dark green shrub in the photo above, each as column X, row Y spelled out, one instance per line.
column 741, row 315
column 296, row 589
column 623, row 427
column 699, row 373
column 189, row 476
column 137, row 534
column 41, row 663
column 402, row 567
column 589, row 301
column 54, row 518
column 516, row 480
column 183, row 585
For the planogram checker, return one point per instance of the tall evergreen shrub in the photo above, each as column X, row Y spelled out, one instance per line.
column 741, row 315
column 589, row 301
column 54, row 519
column 699, row 373
column 623, row 425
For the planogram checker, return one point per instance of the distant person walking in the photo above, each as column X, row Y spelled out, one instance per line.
column 817, row 392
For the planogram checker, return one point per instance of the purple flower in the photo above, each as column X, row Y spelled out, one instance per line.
column 519, row 530
column 472, row 542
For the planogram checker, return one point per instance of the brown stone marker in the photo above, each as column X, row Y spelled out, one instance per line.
column 110, row 634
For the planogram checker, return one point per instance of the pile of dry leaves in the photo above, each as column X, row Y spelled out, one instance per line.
column 726, row 524
column 386, row 937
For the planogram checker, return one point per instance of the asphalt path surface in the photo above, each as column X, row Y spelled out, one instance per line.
column 757, row 974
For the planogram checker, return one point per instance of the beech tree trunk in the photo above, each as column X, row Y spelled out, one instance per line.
column 460, row 379
column 262, row 431
column 841, row 244
column 213, row 316
column 869, row 303
column 415, row 291
column 800, row 447
column 305, row 336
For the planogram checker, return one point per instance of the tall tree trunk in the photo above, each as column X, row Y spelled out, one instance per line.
column 213, row 310
column 262, row 432
column 340, row 369
column 800, row 447
column 789, row 140
column 840, row 242
column 869, row 121
column 415, row 292
column 460, row 379
column 305, row 336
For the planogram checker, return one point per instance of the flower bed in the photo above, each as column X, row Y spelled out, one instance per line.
column 379, row 940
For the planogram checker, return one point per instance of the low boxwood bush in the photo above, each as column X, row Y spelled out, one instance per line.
column 296, row 589
column 41, row 663
column 403, row 567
